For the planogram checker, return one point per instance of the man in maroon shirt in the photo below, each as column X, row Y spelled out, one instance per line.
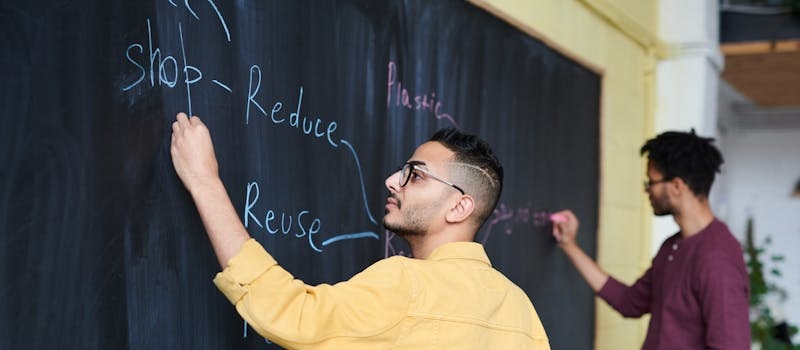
column 697, row 289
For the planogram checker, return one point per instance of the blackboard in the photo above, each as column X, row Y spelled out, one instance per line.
column 102, row 247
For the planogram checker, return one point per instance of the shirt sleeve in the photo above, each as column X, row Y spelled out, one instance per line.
column 633, row 301
column 724, row 292
column 292, row 313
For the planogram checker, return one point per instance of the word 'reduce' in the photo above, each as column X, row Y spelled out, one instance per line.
column 310, row 126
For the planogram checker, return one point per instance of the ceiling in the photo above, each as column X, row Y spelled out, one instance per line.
column 761, row 43
column 766, row 72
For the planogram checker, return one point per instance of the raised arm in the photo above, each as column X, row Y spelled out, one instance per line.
column 565, row 231
column 196, row 164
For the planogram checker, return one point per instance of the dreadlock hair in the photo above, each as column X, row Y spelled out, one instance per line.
column 687, row 156
column 475, row 166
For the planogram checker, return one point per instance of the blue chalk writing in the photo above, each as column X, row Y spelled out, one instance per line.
column 307, row 126
column 153, row 54
column 215, row 81
column 251, row 94
column 350, row 236
column 245, row 333
column 290, row 223
column 128, row 56
column 361, row 179
column 163, row 72
column 186, row 69
column 309, row 230
column 164, row 68
column 221, row 20
column 302, row 123
column 189, row 8
column 213, row 7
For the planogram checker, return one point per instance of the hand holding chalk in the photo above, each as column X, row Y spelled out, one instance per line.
column 565, row 227
column 556, row 218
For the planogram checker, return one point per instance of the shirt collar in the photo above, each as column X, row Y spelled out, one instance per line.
column 460, row 250
column 697, row 236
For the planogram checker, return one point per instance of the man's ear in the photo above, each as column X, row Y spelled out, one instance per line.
column 679, row 187
column 461, row 210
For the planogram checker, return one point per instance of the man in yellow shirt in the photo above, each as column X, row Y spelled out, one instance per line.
column 447, row 297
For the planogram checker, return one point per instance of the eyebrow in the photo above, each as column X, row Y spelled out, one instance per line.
column 417, row 162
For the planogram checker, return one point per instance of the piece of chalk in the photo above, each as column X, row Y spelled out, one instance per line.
column 558, row 218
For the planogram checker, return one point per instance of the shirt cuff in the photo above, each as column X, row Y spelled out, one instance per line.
column 251, row 261
column 611, row 288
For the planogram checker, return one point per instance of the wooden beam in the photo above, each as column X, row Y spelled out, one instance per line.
column 787, row 45
column 760, row 47
column 747, row 48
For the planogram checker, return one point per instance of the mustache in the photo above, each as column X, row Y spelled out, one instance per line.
column 396, row 200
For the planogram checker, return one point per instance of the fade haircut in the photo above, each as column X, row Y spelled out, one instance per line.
column 476, row 168
column 687, row 156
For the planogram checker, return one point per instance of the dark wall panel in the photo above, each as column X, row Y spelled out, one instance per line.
column 102, row 247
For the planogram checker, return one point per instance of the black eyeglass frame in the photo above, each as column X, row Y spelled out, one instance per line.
column 650, row 183
column 408, row 169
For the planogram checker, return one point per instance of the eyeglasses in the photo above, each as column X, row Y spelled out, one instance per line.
column 650, row 183
column 408, row 170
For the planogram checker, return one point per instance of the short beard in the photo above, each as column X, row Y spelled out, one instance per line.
column 414, row 221
column 661, row 207
column 413, row 229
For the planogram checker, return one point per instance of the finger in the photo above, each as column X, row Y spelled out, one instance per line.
column 175, row 126
column 182, row 119
column 195, row 121
column 173, row 143
column 558, row 236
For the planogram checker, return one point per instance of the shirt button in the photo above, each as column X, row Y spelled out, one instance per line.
column 670, row 258
column 675, row 246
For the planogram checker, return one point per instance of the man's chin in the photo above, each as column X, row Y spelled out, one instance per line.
column 662, row 212
column 397, row 230
column 388, row 225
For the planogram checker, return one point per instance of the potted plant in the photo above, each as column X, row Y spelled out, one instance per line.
column 768, row 332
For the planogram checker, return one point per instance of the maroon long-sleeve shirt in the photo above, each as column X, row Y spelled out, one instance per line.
column 697, row 293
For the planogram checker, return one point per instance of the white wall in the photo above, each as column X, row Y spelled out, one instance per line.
column 762, row 165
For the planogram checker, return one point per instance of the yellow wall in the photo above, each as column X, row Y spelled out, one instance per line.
column 618, row 39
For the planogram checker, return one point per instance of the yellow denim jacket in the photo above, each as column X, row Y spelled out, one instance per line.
column 452, row 300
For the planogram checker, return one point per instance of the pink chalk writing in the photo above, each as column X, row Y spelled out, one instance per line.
column 398, row 96
column 504, row 218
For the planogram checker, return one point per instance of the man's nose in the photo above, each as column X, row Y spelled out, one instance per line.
column 392, row 182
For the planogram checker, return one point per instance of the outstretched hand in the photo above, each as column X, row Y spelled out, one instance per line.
column 194, row 161
column 566, row 229
column 193, row 152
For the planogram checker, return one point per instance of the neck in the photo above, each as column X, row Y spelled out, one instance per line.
column 420, row 250
column 693, row 216
column 422, row 246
